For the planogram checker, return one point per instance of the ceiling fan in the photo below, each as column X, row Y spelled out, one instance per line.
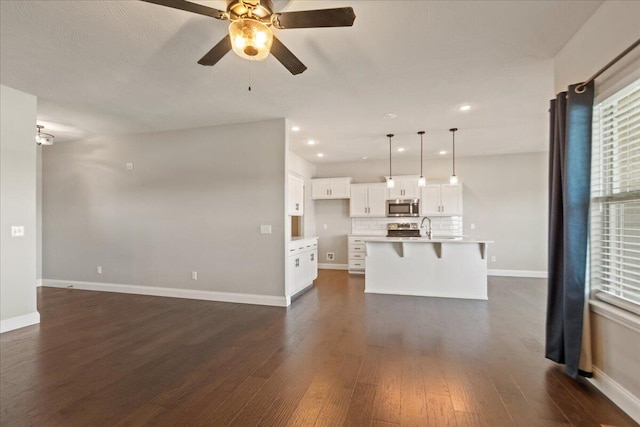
column 250, row 34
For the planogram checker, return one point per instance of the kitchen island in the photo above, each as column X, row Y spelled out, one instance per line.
column 449, row 267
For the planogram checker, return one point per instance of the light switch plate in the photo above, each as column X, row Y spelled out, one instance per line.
column 473, row 226
column 17, row 231
column 265, row 229
column 130, row 166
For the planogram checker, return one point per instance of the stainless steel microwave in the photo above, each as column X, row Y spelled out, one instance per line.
column 407, row 207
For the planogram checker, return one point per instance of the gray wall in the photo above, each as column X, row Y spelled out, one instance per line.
column 194, row 202
column 504, row 196
column 17, row 203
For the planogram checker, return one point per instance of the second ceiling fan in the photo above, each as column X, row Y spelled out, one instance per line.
column 250, row 34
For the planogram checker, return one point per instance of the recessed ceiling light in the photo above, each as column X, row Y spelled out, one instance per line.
column 442, row 152
column 465, row 107
column 365, row 158
column 320, row 155
column 390, row 116
column 401, row 149
column 311, row 142
column 295, row 128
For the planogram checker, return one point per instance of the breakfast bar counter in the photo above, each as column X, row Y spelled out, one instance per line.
column 449, row 267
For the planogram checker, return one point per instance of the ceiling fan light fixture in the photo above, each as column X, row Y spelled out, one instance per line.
column 250, row 39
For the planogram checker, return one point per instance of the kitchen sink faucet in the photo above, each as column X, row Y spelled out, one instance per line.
column 429, row 230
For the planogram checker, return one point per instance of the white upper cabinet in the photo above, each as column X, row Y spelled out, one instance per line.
column 368, row 200
column 359, row 201
column 451, row 199
column 441, row 200
column 295, row 199
column 405, row 188
column 330, row 188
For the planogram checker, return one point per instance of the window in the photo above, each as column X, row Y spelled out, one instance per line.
column 615, row 199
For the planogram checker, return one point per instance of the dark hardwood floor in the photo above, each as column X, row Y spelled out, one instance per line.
column 335, row 357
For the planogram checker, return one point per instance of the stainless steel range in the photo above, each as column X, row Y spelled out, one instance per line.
column 403, row 229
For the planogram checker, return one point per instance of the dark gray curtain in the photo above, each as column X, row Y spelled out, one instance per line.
column 569, row 195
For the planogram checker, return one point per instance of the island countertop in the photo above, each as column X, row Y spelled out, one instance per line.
column 424, row 239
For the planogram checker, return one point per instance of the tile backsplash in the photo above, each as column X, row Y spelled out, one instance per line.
column 442, row 226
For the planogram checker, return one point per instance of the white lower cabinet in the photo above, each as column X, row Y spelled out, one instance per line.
column 302, row 265
column 356, row 255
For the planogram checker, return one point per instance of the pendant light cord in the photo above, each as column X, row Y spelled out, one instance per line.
column 390, row 136
column 453, row 134
column 421, row 133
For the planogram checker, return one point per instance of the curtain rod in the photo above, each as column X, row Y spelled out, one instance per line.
column 581, row 87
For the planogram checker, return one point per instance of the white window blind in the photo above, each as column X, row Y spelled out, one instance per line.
column 615, row 199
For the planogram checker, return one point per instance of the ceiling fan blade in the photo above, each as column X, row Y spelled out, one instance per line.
column 339, row 17
column 286, row 57
column 190, row 7
column 217, row 52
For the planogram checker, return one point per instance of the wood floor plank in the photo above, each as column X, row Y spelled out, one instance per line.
column 360, row 412
column 337, row 356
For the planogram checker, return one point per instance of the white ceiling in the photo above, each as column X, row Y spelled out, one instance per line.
column 111, row 67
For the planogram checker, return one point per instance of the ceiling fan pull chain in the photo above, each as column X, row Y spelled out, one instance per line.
column 249, row 77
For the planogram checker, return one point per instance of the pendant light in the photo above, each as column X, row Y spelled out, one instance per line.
column 43, row 138
column 390, row 183
column 453, row 179
column 421, row 181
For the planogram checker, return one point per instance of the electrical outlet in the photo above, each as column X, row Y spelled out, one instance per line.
column 130, row 166
column 325, row 226
column 472, row 226
column 265, row 229
column 17, row 231
column 99, row 269
column 493, row 258
column 194, row 275
column 330, row 256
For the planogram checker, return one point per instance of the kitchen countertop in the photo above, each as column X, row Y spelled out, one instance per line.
column 424, row 239
column 297, row 239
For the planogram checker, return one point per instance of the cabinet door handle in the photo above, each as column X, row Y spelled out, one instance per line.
column 297, row 206
column 331, row 191
column 297, row 262
column 312, row 256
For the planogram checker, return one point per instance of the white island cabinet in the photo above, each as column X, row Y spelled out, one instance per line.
column 302, row 264
column 446, row 267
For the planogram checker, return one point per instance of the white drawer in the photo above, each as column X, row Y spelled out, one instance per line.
column 356, row 255
column 357, row 247
column 356, row 264
column 355, row 239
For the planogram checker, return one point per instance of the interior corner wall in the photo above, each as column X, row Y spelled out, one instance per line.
column 306, row 171
column 18, row 300
column 194, row 201
column 505, row 197
column 611, row 29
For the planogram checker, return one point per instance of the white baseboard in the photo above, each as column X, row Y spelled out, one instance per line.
column 19, row 322
column 622, row 397
column 170, row 292
column 333, row 266
column 518, row 273
column 38, row 283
